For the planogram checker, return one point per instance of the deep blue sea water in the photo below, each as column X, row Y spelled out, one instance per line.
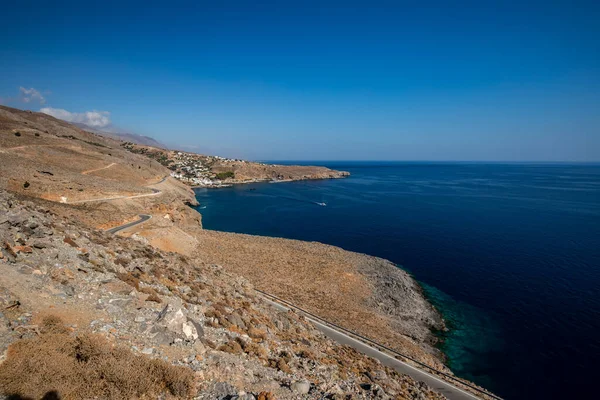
column 510, row 253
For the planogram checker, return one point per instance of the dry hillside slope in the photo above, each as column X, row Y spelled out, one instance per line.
column 67, row 185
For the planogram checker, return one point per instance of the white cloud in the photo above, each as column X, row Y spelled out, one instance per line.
column 31, row 95
column 93, row 119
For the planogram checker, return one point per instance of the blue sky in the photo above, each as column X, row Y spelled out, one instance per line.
column 322, row 80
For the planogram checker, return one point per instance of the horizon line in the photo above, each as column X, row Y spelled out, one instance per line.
column 436, row 161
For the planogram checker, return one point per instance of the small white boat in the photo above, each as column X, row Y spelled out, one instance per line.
column 322, row 204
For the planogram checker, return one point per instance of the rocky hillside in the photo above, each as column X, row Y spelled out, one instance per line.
column 70, row 294
column 63, row 282
column 43, row 157
column 123, row 136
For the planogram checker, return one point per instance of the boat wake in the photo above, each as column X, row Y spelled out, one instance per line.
column 281, row 196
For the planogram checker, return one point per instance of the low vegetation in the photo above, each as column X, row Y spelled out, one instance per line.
column 72, row 366
column 225, row 175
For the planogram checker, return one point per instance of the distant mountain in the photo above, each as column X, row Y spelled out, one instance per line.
column 127, row 137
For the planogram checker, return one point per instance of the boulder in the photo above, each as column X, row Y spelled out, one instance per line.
column 235, row 319
column 177, row 322
column 300, row 387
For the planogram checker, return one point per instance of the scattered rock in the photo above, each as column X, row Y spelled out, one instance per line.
column 301, row 387
column 40, row 243
column 223, row 390
column 235, row 319
column 70, row 242
column 23, row 249
column 189, row 330
column 17, row 219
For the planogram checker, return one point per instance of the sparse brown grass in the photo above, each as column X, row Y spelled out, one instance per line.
column 232, row 347
column 86, row 366
column 129, row 279
column 257, row 334
column 152, row 295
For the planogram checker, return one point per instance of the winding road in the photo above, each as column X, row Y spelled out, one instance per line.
column 345, row 337
column 143, row 218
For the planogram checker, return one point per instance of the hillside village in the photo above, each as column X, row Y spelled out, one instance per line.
column 198, row 170
column 189, row 168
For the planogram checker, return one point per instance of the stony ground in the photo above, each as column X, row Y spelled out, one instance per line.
column 163, row 305
column 59, row 160
column 366, row 294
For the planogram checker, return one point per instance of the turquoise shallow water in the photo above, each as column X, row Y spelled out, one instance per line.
column 510, row 253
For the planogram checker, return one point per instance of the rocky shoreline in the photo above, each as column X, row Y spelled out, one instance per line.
column 366, row 294
column 232, row 182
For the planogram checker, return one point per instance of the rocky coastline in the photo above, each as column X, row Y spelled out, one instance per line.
column 56, row 260
column 199, row 170
column 207, row 329
column 231, row 182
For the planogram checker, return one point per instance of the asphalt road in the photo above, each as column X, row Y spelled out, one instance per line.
column 447, row 389
column 143, row 218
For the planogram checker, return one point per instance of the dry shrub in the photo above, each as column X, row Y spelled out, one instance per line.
column 304, row 352
column 53, row 324
column 256, row 333
column 219, row 316
column 212, row 313
column 212, row 323
column 254, row 349
column 152, row 295
column 281, row 365
column 232, row 347
column 86, row 366
column 236, row 329
column 147, row 290
column 129, row 279
column 221, row 307
column 122, row 262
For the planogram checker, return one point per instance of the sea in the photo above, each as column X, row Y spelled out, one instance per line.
column 509, row 253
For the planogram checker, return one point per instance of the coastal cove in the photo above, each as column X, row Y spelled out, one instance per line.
column 507, row 252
